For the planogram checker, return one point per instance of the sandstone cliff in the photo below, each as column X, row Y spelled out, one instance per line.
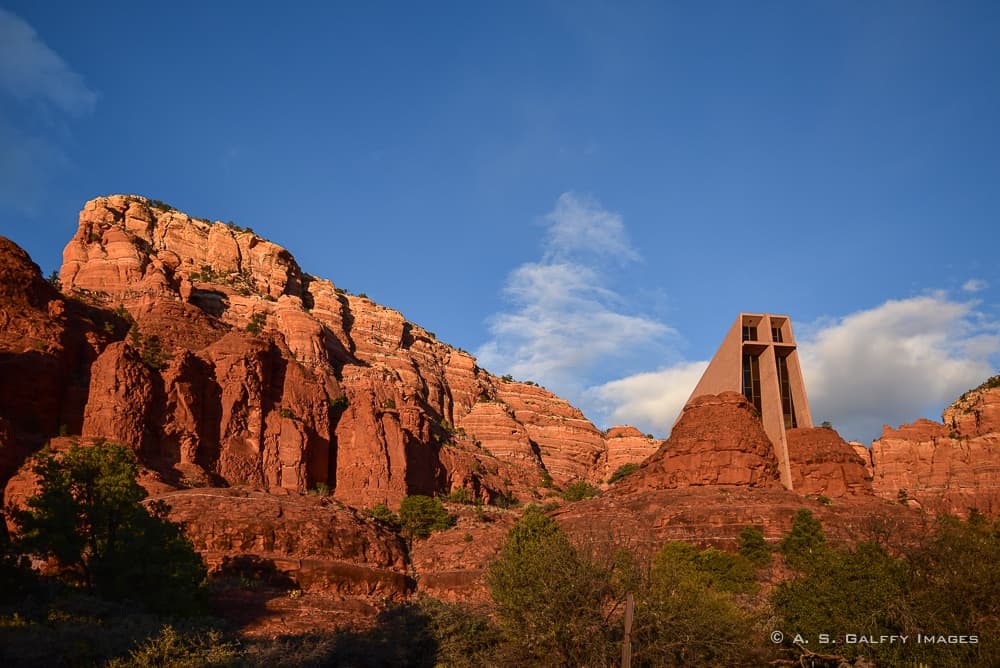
column 950, row 467
column 223, row 363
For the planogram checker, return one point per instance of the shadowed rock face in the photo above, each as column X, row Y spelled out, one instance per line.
column 950, row 467
column 46, row 347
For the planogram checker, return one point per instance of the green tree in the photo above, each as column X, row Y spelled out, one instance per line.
column 88, row 516
column 550, row 602
column 805, row 545
column 687, row 613
column 753, row 546
column 420, row 515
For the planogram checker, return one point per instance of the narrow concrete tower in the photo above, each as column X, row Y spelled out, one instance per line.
column 758, row 358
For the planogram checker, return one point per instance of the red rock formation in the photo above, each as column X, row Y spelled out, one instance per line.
column 315, row 542
column 625, row 445
column 944, row 468
column 46, row 347
column 825, row 465
column 716, row 441
column 230, row 407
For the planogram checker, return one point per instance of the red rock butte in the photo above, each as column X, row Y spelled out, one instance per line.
column 758, row 357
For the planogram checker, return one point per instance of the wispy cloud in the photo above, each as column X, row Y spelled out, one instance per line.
column 31, row 71
column 42, row 86
column 975, row 285
column 580, row 226
column 565, row 319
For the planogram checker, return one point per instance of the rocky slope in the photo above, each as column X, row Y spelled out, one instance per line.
column 945, row 467
column 243, row 370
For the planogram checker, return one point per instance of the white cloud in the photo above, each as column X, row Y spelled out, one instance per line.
column 975, row 285
column 30, row 70
column 651, row 400
column 580, row 225
column 896, row 362
column 565, row 320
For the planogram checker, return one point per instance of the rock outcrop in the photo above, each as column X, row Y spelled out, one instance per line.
column 825, row 465
column 716, row 441
column 951, row 467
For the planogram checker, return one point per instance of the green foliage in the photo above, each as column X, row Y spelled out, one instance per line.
column 622, row 471
column 579, row 490
column 178, row 650
column 54, row 281
column 420, row 515
column 826, row 424
column 506, row 500
column 339, row 404
column 687, row 615
column 945, row 587
column 320, row 489
column 389, row 404
column 547, row 480
column 460, row 495
column 383, row 513
column 87, row 516
column 150, row 350
column 507, row 378
column 549, row 601
column 805, row 545
column 286, row 413
column 236, row 228
column 256, row 324
column 859, row 591
column 753, row 547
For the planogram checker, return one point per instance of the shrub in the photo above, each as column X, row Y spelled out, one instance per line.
column 383, row 513
column 753, row 547
column 256, row 324
column 579, row 490
column 622, row 471
column 339, row 404
column 460, row 495
column 549, row 601
column 420, row 515
column 805, row 545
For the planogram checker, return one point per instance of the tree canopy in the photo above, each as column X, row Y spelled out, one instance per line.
column 88, row 516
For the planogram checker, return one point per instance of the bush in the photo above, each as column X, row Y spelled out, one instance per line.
column 579, row 490
column 805, row 545
column 622, row 471
column 550, row 602
column 383, row 513
column 256, row 324
column 87, row 515
column 753, row 547
column 420, row 515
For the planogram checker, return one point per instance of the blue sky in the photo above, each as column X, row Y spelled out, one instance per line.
column 583, row 193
